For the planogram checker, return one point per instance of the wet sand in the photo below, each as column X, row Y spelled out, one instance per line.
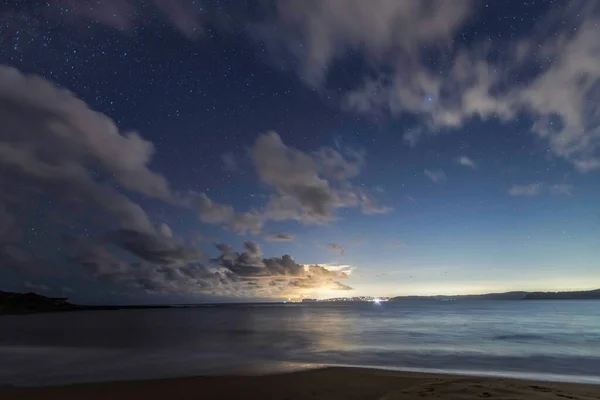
column 327, row 383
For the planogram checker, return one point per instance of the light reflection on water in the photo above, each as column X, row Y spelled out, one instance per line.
column 551, row 337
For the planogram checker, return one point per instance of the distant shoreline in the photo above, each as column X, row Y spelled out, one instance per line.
column 31, row 303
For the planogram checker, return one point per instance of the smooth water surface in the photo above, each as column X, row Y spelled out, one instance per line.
column 560, row 339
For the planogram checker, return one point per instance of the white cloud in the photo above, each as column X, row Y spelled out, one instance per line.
column 467, row 162
column 561, row 189
column 535, row 189
column 229, row 162
column 329, row 28
column 436, row 176
column 530, row 190
column 560, row 93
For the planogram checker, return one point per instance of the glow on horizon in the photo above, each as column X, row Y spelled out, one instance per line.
column 435, row 289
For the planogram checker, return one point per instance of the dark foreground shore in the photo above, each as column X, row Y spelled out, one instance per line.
column 327, row 383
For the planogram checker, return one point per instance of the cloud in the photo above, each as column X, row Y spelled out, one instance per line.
column 15, row 257
column 165, row 230
column 211, row 212
column 335, row 248
column 278, row 276
column 369, row 206
column 7, row 225
column 530, row 190
column 436, row 175
column 535, row 189
column 280, row 237
column 31, row 286
column 327, row 29
column 561, row 189
column 229, row 162
column 104, row 266
column 466, row 162
column 157, row 249
column 301, row 190
column 558, row 64
column 309, row 187
column 126, row 14
column 53, row 143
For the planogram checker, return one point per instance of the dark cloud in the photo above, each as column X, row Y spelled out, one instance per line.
column 35, row 287
column 157, row 249
column 280, row 237
column 20, row 260
column 335, row 248
column 243, row 274
column 278, row 275
column 248, row 263
column 192, row 279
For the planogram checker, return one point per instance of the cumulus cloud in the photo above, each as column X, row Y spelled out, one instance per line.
column 127, row 14
column 466, row 162
column 53, row 143
column 307, row 187
column 278, row 276
column 436, row 175
column 211, row 212
column 300, row 192
column 280, row 237
column 530, row 190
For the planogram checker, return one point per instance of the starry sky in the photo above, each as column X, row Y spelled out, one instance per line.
column 180, row 151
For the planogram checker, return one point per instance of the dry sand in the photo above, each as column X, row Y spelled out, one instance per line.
column 327, row 383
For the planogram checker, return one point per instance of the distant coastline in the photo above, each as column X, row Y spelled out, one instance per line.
column 28, row 303
column 522, row 295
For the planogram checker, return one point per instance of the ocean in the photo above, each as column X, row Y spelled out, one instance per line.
column 552, row 340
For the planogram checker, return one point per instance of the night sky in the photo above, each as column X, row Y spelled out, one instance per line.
column 174, row 151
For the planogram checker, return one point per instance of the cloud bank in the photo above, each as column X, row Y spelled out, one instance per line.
column 55, row 149
column 557, row 65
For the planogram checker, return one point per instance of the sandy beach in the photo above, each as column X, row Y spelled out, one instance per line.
column 327, row 383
